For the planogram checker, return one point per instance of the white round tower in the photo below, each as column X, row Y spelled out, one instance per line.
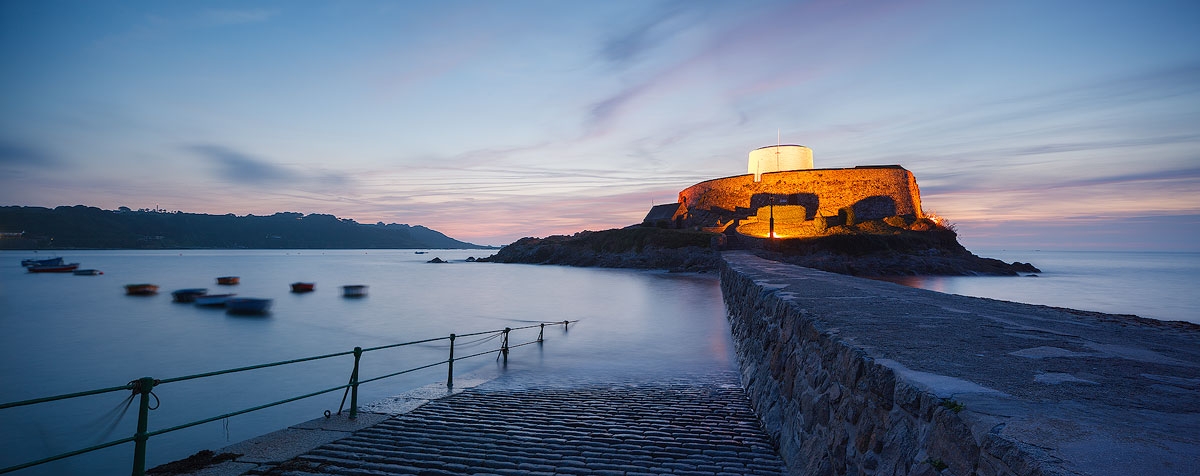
column 778, row 158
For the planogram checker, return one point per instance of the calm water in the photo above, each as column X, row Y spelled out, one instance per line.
column 65, row 333
column 1157, row 285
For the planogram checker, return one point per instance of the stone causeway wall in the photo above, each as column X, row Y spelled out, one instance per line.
column 831, row 408
column 852, row 376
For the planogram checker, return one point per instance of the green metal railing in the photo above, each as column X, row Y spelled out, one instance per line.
column 144, row 387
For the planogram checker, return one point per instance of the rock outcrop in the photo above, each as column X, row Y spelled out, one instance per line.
column 934, row 252
column 888, row 252
column 635, row 247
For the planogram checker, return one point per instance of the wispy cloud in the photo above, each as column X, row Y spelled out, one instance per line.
column 632, row 42
column 234, row 166
column 218, row 17
column 603, row 113
column 741, row 58
column 240, row 168
column 16, row 153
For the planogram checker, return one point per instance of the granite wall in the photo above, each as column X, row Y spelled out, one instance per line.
column 835, row 410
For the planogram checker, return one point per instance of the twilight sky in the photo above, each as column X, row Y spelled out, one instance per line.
column 1030, row 124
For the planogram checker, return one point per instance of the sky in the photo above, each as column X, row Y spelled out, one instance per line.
column 1028, row 124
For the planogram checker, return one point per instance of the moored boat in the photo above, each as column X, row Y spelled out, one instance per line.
column 248, row 305
column 354, row 290
column 188, row 295
column 142, row 289
column 303, row 287
column 88, row 272
column 213, row 300
column 53, row 268
column 228, row 280
column 41, row 262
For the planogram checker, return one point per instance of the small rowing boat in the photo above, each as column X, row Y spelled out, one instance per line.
column 248, row 305
column 188, row 295
column 53, row 268
column 41, row 262
column 213, row 300
column 141, row 289
column 354, row 290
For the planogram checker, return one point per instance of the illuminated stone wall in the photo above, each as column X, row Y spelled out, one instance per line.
column 789, row 221
column 878, row 191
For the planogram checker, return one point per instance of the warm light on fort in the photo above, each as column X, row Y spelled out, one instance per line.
column 936, row 219
column 783, row 196
column 778, row 158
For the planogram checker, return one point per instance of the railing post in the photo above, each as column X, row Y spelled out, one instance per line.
column 450, row 370
column 143, row 386
column 565, row 325
column 354, row 384
column 504, row 344
column 541, row 330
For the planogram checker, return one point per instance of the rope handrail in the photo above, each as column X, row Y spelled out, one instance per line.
column 145, row 385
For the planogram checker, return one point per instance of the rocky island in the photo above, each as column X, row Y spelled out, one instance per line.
column 861, row 221
column 856, row 253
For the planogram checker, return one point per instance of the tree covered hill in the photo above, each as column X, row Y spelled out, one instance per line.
column 89, row 227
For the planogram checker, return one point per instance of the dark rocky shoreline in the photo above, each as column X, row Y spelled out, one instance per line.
column 561, row 250
column 901, row 264
column 917, row 253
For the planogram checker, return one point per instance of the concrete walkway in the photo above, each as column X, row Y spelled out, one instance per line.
column 531, row 424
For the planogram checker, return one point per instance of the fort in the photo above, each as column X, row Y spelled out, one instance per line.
column 783, row 196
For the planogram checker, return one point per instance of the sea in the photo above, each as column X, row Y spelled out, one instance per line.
column 61, row 333
column 1152, row 284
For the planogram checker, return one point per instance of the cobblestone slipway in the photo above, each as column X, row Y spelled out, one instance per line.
column 530, row 424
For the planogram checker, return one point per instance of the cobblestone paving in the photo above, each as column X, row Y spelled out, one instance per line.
column 700, row 425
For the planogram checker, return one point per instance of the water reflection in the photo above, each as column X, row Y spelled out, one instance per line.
column 65, row 334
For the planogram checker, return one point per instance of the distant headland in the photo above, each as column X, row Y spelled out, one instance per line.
column 864, row 221
column 82, row 227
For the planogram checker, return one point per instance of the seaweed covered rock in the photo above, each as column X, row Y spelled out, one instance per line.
column 907, row 253
column 632, row 247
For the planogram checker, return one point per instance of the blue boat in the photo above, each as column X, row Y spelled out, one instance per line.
column 31, row 262
column 188, row 295
column 213, row 300
column 247, row 305
column 354, row 291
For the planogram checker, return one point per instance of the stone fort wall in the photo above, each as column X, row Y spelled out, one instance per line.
column 881, row 190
